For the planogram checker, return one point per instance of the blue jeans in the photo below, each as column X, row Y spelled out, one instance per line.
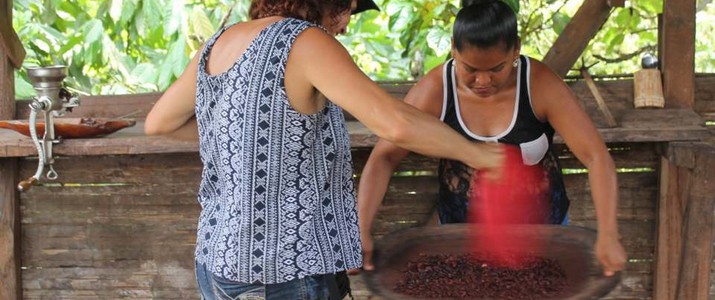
column 213, row 287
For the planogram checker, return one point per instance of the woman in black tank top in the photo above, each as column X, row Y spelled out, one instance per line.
column 489, row 92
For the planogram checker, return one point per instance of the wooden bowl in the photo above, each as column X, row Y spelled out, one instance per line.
column 71, row 128
column 570, row 246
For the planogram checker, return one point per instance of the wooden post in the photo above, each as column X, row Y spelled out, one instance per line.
column 677, row 53
column 686, row 223
column 11, row 56
column 578, row 33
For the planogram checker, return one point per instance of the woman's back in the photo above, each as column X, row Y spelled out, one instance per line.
column 276, row 188
column 233, row 43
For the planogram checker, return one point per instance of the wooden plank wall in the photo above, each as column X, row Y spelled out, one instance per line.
column 124, row 226
column 121, row 227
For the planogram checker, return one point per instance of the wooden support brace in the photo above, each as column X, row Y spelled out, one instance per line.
column 599, row 99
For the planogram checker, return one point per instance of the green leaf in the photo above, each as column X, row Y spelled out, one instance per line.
column 560, row 21
column 433, row 61
column 144, row 72
column 151, row 14
column 70, row 43
column 623, row 17
column 514, row 4
column 616, row 42
column 129, row 9
column 200, row 24
column 93, row 31
column 115, row 10
column 651, row 6
column 174, row 16
column 23, row 88
column 439, row 40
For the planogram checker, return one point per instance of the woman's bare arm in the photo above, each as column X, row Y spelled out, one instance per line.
column 329, row 68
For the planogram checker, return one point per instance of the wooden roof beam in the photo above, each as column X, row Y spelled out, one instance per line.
column 584, row 25
column 677, row 52
column 9, row 40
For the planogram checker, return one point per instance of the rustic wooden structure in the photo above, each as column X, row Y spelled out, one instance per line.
column 120, row 222
column 11, row 56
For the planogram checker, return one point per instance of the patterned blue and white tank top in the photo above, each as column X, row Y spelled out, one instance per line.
column 277, row 194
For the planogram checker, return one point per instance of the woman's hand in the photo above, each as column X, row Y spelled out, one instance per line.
column 368, row 248
column 488, row 159
column 610, row 254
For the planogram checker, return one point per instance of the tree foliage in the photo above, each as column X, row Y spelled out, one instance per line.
column 135, row 46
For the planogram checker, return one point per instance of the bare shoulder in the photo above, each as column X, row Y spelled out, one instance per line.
column 428, row 93
column 548, row 91
column 314, row 37
column 543, row 80
column 541, row 73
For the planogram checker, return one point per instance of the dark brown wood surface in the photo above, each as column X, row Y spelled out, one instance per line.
column 686, row 224
column 10, row 285
column 9, row 41
column 705, row 94
column 10, row 56
column 699, row 227
column 112, row 227
column 677, row 52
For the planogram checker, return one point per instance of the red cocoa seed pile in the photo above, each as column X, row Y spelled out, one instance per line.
column 473, row 276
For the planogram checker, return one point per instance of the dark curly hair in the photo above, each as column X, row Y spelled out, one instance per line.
column 307, row 10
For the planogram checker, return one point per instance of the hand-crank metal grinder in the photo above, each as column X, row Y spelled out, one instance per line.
column 52, row 100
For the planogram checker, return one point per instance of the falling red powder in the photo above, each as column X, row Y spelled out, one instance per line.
column 519, row 196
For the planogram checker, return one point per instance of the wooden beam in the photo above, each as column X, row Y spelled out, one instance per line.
column 677, row 52
column 686, row 223
column 610, row 121
column 576, row 36
column 11, row 284
column 698, row 228
column 617, row 3
column 668, row 238
column 9, row 40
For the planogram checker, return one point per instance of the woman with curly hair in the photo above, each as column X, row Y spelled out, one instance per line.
column 278, row 217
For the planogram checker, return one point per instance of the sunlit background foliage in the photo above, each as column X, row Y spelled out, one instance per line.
column 137, row 46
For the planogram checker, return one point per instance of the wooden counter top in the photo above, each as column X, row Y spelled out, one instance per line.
column 657, row 125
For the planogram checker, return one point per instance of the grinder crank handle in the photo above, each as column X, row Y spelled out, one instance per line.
column 26, row 184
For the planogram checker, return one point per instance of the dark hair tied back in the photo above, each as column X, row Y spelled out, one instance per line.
column 484, row 24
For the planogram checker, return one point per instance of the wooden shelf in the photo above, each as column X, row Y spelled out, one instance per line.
column 657, row 125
